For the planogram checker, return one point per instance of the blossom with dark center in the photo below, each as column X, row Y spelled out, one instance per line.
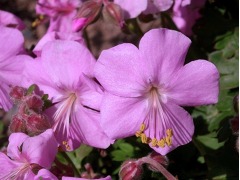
column 64, row 72
column 145, row 87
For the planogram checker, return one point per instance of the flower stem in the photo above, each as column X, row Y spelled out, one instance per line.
column 158, row 166
column 71, row 162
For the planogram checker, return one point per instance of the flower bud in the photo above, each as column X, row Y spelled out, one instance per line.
column 34, row 102
column 87, row 13
column 17, row 125
column 130, row 170
column 158, row 158
column 234, row 122
column 36, row 124
column 112, row 12
column 17, row 93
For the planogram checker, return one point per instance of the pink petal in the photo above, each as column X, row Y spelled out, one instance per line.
column 7, row 165
column 13, row 42
column 10, row 20
column 132, row 8
column 180, row 122
column 45, row 174
column 122, row 71
column 14, row 146
column 69, row 58
column 54, row 36
column 79, row 23
column 122, row 117
column 156, row 6
column 165, row 51
column 5, row 101
column 195, row 84
column 41, row 149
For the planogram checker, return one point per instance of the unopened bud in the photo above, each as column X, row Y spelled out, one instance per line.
column 17, row 93
column 112, row 12
column 34, row 102
column 87, row 13
column 158, row 158
column 36, row 124
column 17, row 125
column 130, row 170
column 234, row 122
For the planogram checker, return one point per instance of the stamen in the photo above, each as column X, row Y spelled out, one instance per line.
column 65, row 143
column 161, row 143
column 154, row 142
column 169, row 132
column 168, row 141
column 144, row 138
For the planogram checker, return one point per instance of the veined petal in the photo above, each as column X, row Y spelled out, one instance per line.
column 40, row 149
column 170, row 127
column 69, row 58
column 121, row 117
column 156, row 44
column 197, row 83
column 5, row 101
column 156, row 6
column 13, row 42
column 122, row 71
column 14, row 146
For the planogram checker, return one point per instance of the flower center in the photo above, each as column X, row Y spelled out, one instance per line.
column 149, row 131
column 17, row 172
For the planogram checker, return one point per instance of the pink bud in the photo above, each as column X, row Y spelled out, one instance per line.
column 130, row 170
column 87, row 13
column 17, row 125
column 36, row 124
column 17, row 93
column 159, row 158
column 34, row 102
column 112, row 12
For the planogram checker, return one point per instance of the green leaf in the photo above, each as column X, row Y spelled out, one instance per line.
column 31, row 89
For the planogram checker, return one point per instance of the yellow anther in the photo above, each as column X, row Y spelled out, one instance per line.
column 64, row 142
column 169, row 132
column 161, row 143
column 142, row 128
column 138, row 133
column 154, row 142
column 41, row 17
column 144, row 138
column 168, row 141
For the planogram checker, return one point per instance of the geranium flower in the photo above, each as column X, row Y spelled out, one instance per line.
column 27, row 155
column 73, row 178
column 185, row 14
column 11, row 64
column 10, row 20
column 63, row 72
column 61, row 13
column 145, row 88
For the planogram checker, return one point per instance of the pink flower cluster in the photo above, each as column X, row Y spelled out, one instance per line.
column 127, row 91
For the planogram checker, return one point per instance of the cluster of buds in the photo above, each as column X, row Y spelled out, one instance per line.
column 90, row 11
column 132, row 169
column 29, row 118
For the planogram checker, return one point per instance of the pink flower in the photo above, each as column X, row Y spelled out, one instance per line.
column 61, row 13
column 11, row 64
column 185, row 14
column 10, row 20
column 26, row 155
column 145, row 88
column 63, row 72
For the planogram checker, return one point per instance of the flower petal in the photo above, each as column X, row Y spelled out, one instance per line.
column 9, row 19
column 45, row 174
column 65, row 61
column 44, row 144
column 13, row 42
column 15, row 142
column 195, row 84
column 132, row 8
column 121, row 70
column 156, row 45
column 122, row 117
column 7, row 166
column 5, row 101
column 180, row 122
column 73, row 178
column 156, row 6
